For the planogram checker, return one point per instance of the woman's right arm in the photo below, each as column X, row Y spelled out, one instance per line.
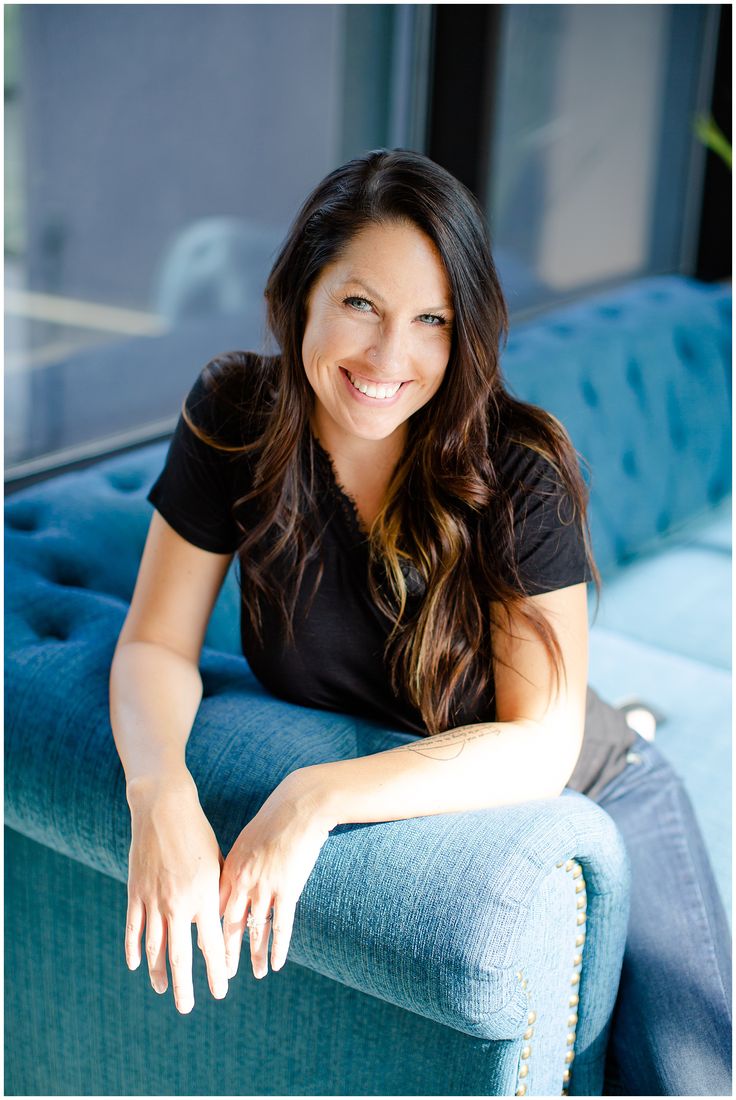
column 155, row 691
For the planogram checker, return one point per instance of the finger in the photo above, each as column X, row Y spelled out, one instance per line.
column 156, row 949
column 224, row 895
column 212, row 946
column 233, row 927
column 281, row 929
column 135, row 919
column 180, row 959
column 259, row 934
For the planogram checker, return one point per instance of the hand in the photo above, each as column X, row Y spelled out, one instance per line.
column 173, row 880
column 268, row 866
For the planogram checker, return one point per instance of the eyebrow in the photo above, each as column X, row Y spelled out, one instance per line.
column 356, row 279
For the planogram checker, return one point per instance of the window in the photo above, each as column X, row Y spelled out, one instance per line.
column 155, row 155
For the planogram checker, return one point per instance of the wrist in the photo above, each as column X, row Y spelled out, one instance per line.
column 143, row 786
column 312, row 796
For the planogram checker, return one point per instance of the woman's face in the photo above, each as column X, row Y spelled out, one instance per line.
column 378, row 334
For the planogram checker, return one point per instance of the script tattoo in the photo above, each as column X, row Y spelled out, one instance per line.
column 454, row 741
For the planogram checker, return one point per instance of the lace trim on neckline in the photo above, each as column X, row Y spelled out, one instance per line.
column 345, row 502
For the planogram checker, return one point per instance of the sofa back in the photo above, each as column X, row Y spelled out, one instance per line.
column 640, row 377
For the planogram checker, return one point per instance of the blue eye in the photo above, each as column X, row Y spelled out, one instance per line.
column 355, row 298
column 436, row 318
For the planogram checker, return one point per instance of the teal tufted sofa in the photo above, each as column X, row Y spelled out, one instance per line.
column 464, row 954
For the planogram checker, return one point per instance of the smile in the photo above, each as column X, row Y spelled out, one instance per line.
column 378, row 391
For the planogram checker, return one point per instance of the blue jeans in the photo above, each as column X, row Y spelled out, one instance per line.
column 671, row 1027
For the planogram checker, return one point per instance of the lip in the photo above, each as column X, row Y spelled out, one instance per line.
column 364, row 399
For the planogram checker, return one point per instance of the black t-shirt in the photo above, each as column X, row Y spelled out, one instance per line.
column 337, row 661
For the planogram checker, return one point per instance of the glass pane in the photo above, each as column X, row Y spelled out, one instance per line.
column 155, row 155
column 594, row 163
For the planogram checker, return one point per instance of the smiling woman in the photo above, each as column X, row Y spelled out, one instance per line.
column 451, row 603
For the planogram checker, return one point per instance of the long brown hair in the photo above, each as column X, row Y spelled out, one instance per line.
column 446, row 528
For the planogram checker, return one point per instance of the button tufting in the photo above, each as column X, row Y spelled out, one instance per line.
column 685, row 349
column 126, row 481
column 590, row 395
column 628, row 463
column 662, row 522
column 21, row 519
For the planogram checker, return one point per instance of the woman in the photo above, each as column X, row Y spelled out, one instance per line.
column 413, row 547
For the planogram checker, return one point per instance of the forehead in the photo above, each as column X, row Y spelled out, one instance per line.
column 397, row 258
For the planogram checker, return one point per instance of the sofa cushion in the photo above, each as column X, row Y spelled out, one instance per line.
column 678, row 600
column 696, row 737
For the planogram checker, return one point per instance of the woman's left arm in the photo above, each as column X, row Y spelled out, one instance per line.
column 528, row 753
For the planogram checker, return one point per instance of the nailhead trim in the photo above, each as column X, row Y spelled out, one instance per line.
column 577, row 962
column 526, row 1051
column 525, row 1055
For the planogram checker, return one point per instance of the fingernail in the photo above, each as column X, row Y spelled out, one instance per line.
column 159, row 986
column 220, row 990
column 261, row 973
column 186, row 1006
column 232, row 968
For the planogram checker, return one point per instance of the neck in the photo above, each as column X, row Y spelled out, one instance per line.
column 379, row 456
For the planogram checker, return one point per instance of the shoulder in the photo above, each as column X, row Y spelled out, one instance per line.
column 523, row 468
column 230, row 396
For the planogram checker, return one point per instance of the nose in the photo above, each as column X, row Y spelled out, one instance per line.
column 389, row 355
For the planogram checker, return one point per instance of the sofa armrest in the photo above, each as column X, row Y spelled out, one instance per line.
column 432, row 914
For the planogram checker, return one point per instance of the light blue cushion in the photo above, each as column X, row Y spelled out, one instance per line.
column 696, row 737
column 678, row 600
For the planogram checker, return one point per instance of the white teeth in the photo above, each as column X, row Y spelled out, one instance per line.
column 372, row 390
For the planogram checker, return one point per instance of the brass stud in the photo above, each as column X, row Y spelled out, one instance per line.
column 577, row 960
column 579, row 887
column 526, row 1052
column 566, row 1076
column 529, row 1033
column 574, row 1000
column 575, row 979
column 532, row 1017
column 572, row 1020
column 521, row 1091
column 519, row 975
column 581, row 903
column 581, row 918
column 571, row 1038
column 577, row 872
column 559, row 863
column 523, row 1071
column 524, row 984
column 580, row 940
column 569, row 1057
column 570, row 864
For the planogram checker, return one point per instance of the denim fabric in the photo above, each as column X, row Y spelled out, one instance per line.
column 671, row 1029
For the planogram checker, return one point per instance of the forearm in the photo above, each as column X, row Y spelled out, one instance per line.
column 467, row 768
column 154, row 697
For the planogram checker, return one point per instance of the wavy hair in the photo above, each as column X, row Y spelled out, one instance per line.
column 446, row 527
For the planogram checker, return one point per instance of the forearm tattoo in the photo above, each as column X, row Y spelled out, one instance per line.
column 449, row 745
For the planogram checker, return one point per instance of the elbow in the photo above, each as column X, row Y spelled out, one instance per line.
column 561, row 742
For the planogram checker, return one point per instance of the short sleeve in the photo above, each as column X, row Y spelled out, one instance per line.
column 548, row 531
column 193, row 492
